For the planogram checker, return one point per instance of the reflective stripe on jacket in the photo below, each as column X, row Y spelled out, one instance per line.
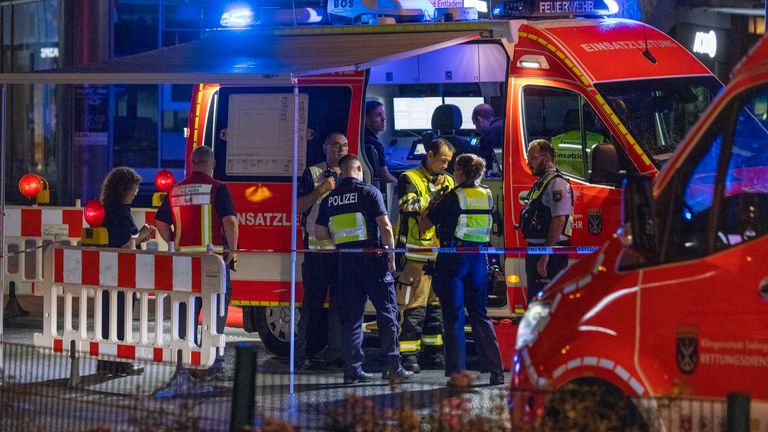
column 410, row 205
column 196, row 224
column 475, row 218
column 348, row 227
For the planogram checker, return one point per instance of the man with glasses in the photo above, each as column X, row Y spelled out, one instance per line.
column 319, row 269
column 547, row 218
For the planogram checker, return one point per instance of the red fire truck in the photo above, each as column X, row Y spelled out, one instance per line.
column 676, row 304
column 616, row 95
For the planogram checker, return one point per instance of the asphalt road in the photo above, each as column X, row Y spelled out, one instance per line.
column 36, row 392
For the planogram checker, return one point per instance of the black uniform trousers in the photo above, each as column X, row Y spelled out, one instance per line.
column 556, row 264
column 363, row 276
column 462, row 282
column 319, row 273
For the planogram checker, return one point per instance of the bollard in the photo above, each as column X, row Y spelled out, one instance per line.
column 737, row 412
column 244, row 390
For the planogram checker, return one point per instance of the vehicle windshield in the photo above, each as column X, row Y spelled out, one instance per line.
column 659, row 112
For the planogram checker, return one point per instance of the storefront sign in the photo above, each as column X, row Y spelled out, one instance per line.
column 705, row 43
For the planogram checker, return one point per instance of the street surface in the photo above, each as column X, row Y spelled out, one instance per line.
column 36, row 395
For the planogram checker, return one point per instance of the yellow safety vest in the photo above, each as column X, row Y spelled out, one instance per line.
column 407, row 224
column 347, row 228
column 316, row 171
column 475, row 219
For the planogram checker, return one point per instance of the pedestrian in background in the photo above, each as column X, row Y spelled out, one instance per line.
column 118, row 191
column 463, row 219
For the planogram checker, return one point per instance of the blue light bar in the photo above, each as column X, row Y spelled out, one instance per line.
column 238, row 18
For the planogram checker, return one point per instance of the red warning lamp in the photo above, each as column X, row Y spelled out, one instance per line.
column 164, row 180
column 93, row 212
column 30, row 185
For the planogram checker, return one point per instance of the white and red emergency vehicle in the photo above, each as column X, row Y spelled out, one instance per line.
column 615, row 96
column 678, row 308
column 620, row 94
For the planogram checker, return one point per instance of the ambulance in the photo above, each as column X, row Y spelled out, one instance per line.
column 675, row 304
column 615, row 95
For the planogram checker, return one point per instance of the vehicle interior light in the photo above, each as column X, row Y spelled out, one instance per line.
column 532, row 62
column 237, row 18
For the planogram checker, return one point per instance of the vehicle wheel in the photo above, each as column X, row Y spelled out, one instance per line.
column 273, row 324
column 591, row 405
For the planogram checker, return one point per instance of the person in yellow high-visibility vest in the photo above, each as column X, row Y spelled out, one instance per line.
column 420, row 312
column 463, row 219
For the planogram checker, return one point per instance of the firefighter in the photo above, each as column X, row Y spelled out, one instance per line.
column 354, row 216
column 547, row 219
column 316, row 182
column 197, row 215
column 420, row 312
column 463, row 219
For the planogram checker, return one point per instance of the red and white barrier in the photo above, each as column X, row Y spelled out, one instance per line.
column 29, row 228
column 80, row 275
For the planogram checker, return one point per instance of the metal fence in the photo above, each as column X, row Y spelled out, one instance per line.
column 36, row 395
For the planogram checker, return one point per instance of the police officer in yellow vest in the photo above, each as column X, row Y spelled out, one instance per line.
column 198, row 215
column 354, row 216
column 547, row 219
column 318, row 271
column 463, row 219
column 420, row 312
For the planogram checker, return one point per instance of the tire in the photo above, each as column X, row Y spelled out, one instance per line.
column 273, row 322
column 591, row 405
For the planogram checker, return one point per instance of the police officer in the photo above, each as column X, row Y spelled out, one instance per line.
column 463, row 219
column 318, row 270
column 422, row 317
column 197, row 214
column 547, row 219
column 353, row 215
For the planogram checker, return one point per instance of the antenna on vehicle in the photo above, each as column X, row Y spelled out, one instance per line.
column 647, row 53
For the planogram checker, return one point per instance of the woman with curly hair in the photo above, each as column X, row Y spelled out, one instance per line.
column 117, row 193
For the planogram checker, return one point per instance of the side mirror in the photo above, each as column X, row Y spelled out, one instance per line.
column 638, row 224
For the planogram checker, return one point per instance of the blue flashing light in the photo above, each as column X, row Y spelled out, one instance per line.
column 238, row 18
column 613, row 6
column 687, row 214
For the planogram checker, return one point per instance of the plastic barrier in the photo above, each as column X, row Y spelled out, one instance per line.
column 28, row 229
column 81, row 274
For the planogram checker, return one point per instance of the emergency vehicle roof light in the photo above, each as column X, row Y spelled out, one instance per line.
column 93, row 213
column 238, row 17
column 30, row 185
column 531, row 61
column 554, row 8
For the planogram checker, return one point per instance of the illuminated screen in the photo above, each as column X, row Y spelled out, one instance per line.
column 466, row 105
column 415, row 113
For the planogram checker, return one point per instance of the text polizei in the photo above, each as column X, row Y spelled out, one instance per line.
column 347, row 198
